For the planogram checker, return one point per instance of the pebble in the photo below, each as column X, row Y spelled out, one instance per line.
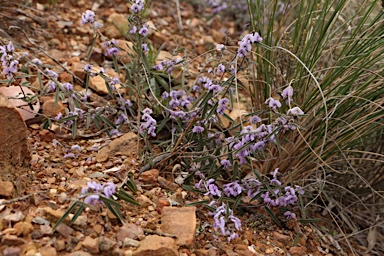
column 12, row 251
column 41, row 221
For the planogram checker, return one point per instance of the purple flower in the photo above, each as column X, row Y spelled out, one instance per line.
column 88, row 68
column 197, row 129
column 76, row 147
column 272, row 103
column 290, row 215
column 109, row 189
column 92, row 199
column 233, row 189
column 112, row 51
column 87, row 17
column 158, row 67
column 145, row 47
column 215, row 88
column 236, row 221
column 37, row 61
column 165, row 95
column 296, row 111
column 133, row 30
column 212, row 188
column 68, row 86
column 11, row 69
column 96, row 187
column 115, row 81
column 220, row 69
column 255, row 120
column 69, row 155
column 287, row 92
column 147, row 111
column 144, row 30
column 226, row 163
column 136, row 7
column 51, row 73
column 220, row 47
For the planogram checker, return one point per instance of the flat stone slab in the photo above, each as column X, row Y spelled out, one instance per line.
column 180, row 221
column 14, row 151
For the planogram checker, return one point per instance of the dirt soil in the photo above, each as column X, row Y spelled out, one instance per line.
column 53, row 182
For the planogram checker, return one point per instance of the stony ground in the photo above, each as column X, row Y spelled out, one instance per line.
column 54, row 182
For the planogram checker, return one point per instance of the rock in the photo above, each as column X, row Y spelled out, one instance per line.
column 284, row 239
column 72, row 244
column 48, row 251
column 129, row 230
column 117, row 25
column 12, row 251
column 65, row 77
column 46, row 135
column 180, row 222
column 150, row 176
column 92, row 245
column 127, row 144
column 59, row 245
column 98, row 228
column 12, row 240
column 126, row 49
column 64, row 230
column 6, row 188
column 51, row 109
column 14, row 217
column 106, row 244
column 14, row 150
column 167, row 184
column 157, row 245
column 15, row 96
column 36, row 235
column 77, row 69
column 128, row 242
column 162, row 202
column 40, row 220
column 102, row 157
column 97, row 83
column 164, row 55
column 79, row 253
column 46, row 229
column 23, row 228
column 298, row 251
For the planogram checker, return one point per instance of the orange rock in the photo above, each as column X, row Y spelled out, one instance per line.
column 14, row 150
column 180, row 221
column 157, row 245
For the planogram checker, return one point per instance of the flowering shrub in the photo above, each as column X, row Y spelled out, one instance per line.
column 192, row 112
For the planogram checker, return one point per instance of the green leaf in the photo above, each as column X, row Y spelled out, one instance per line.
column 274, row 218
column 126, row 197
column 74, row 127
column 308, row 220
column 77, row 214
column 198, row 203
column 65, row 215
column 296, row 240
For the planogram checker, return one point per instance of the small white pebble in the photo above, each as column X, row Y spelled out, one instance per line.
column 53, row 191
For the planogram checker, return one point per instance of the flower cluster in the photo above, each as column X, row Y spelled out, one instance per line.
column 225, row 221
column 111, row 47
column 96, row 190
column 150, row 124
column 245, row 44
column 8, row 62
column 169, row 65
column 137, row 6
column 89, row 18
column 222, row 106
column 272, row 193
column 281, row 197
